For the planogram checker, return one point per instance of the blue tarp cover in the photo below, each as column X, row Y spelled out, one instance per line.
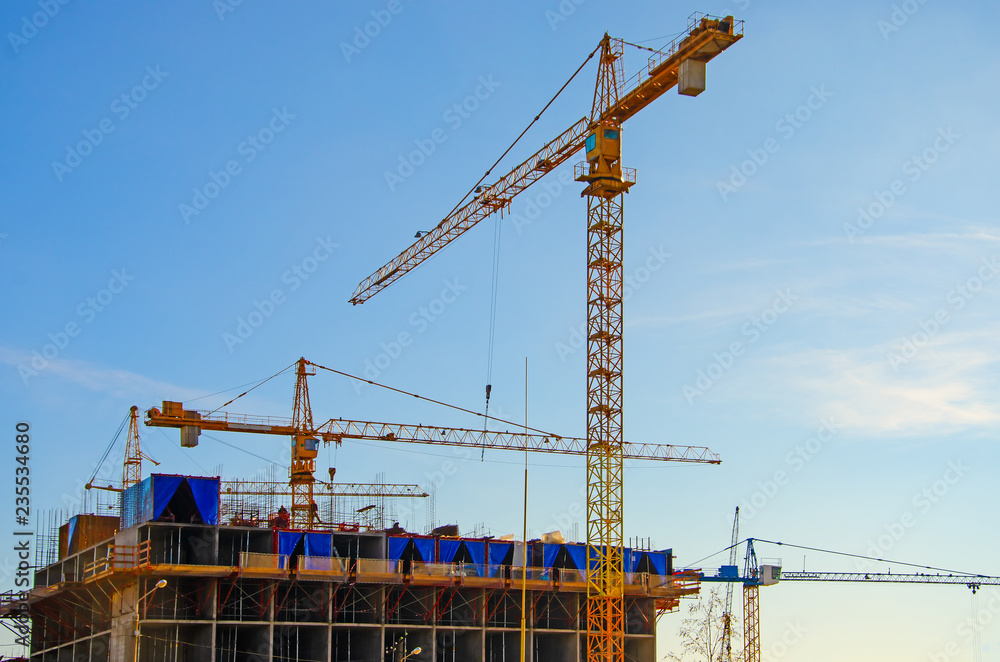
column 630, row 560
column 425, row 548
column 70, row 531
column 498, row 551
column 549, row 554
column 447, row 550
column 319, row 544
column 145, row 501
column 579, row 555
column 287, row 540
column 658, row 561
column 396, row 547
column 164, row 488
column 206, row 497
column 477, row 550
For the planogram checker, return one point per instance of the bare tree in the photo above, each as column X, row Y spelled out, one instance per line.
column 702, row 632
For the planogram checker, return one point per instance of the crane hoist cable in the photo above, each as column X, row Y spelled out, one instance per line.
column 496, row 242
column 977, row 630
column 497, row 235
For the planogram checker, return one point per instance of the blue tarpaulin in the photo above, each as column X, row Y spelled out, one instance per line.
column 578, row 554
column 630, row 560
column 425, row 548
column 658, row 561
column 447, row 550
column 549, row 554
column 70, row 531
column 319, row 544
column 206, row 497
column 498, row 553
column 150, row 499
column 287, row 540
column 164, row 488
column 477, row 550
column 396, row 547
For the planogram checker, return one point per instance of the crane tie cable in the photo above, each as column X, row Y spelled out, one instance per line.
column 107, row 450
column 250, row 389
column 871, row 558
column 437, row 402
column 516, row 140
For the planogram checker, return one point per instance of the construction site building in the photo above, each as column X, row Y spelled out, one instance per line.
column 175, row 584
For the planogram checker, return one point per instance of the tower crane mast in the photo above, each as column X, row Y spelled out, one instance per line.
column 682, row 65
column 726, row 654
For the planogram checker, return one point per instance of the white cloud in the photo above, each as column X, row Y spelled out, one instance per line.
column 946, row 388
column 112, row 381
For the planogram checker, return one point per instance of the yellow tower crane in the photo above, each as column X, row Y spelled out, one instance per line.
column 681, row 64
column 305, row 438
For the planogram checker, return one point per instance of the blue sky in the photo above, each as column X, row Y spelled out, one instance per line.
column 813, row 240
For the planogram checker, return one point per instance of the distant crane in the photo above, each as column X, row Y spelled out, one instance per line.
column 305, row 437
column 726, row 654
column 681, row 64
column 767, row 574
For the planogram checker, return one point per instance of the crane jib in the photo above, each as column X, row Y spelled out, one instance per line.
column 700, row 44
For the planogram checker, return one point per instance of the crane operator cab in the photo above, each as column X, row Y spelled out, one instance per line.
column 602, row 169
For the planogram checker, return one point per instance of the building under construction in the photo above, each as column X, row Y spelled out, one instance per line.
column 171, row 580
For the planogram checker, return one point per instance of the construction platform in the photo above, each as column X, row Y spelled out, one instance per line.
column 210, row 591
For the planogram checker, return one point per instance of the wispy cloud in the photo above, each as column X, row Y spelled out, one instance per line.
column 116, row 382
column 950, row 387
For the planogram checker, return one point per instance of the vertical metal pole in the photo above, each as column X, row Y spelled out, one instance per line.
column 524, row 533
